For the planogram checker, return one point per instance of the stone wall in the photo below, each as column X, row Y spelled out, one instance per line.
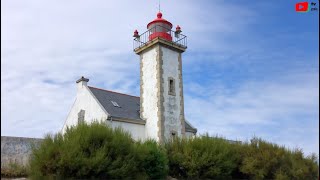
column 149, row 92
column 16, row 149
column 172, row 104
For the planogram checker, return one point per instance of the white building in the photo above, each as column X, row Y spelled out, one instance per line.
column 159, row 112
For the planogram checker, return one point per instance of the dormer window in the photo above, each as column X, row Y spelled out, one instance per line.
column 171, row 86
column 115, row 104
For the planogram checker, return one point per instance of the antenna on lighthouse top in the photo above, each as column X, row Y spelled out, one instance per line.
column 159, row 6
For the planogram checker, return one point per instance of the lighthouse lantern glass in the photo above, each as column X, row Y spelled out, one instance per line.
column 161, row 30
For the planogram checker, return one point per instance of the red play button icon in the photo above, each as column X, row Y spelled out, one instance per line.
column 302, row 6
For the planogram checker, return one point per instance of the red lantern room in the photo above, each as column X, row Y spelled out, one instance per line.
column 160, row 28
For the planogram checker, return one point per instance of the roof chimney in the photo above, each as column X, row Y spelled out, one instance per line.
column 82, row 82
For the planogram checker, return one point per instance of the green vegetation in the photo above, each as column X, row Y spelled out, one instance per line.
column 13, row 170
column 152, row 158
column 202, row 158
column 216, row 158
column 263, row 160
column 98, row 151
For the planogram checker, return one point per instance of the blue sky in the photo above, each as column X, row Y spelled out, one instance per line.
column 251, row 67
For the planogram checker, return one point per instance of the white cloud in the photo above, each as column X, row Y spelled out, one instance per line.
column 47, row 45
column 288, row 105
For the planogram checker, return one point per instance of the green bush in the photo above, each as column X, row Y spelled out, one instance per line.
column 153, row 159
column 202, row 158
column 13, row 170
column 97, row 151
column 264, row 160
column 215, row 158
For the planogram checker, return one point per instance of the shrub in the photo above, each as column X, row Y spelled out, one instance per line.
column 86, row 151
column 264, row 160
column 98, row 151
column 215, row 158
column 13, row 170
column 153, row 159
column 202, row 158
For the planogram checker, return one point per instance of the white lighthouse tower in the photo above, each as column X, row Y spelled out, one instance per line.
column 161, row 86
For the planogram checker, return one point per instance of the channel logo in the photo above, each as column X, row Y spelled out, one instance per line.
column 305, row 6
column 302, row 7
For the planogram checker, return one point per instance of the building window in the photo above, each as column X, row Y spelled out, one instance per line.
column 81, row 116
column 115, row 104
column 171, row 86
column 173, row 134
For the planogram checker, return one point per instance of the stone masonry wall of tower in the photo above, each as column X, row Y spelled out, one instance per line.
column 162, row 111
column 173, row 107
column 149, row 92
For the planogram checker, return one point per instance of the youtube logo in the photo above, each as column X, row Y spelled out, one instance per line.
column 302, row 7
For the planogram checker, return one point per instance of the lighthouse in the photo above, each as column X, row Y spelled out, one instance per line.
column 161, row 86
column 158, row 113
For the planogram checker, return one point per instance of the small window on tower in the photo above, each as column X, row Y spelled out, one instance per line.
column 171, row 83
column 173, row 134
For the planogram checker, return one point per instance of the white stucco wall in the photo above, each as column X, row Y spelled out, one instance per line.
column 137, row 131
column 84, row 101
column 189, row 135
column 149, row 95
column 172, row 107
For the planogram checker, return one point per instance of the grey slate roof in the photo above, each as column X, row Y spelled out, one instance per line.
column 129, row 105
column 187, row 126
